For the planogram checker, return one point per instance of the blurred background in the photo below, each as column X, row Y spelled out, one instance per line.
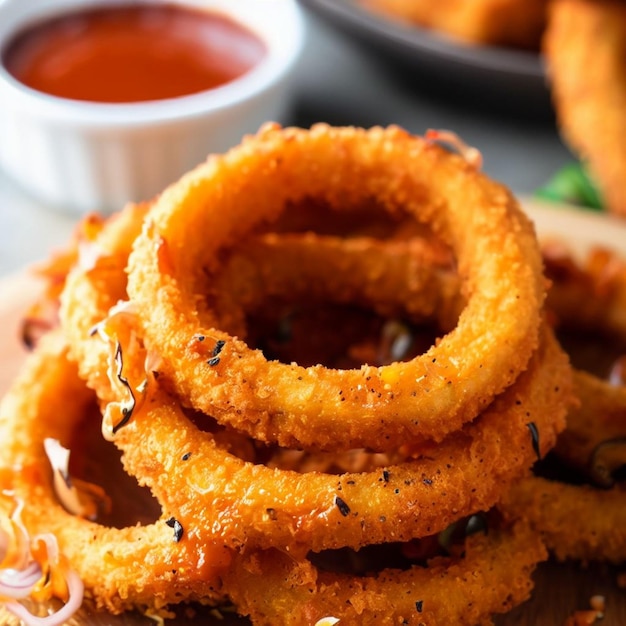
column 358, row 68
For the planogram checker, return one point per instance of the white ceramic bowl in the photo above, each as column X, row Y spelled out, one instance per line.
column 83, row 156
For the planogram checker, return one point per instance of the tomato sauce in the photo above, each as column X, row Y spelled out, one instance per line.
column 132, row 53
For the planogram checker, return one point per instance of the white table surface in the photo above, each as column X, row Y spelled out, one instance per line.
column 336, row 83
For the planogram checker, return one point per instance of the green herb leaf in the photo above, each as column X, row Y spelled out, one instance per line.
column 572, row 185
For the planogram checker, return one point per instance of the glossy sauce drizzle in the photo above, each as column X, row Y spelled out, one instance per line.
column 132, row 53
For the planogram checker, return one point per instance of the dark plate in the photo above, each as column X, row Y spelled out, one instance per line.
column 508, row 77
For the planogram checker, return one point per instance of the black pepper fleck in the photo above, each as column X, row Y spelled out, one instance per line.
column 219, row 346
column 534, row 433
column 344, row 509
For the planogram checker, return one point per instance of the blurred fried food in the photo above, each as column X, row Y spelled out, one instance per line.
column 583, row 43
column 585, row 50
column 515, row 23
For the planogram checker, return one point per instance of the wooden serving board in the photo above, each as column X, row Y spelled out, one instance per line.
column 560, row 589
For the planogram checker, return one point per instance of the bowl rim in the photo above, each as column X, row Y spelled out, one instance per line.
column 265, row 18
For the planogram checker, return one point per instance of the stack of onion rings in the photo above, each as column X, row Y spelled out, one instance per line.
column 441, row 434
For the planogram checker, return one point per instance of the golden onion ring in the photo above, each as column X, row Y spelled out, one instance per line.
column 431, row 395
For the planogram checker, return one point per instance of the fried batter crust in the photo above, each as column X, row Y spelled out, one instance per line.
column 585, row 51
column 517, row 23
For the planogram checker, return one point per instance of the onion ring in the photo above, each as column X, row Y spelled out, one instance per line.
column 99, row 270
column 284, row 509
column 433, row 394
column 492, row 577
column 575, row 521
column 583, row 520
column 137, row 566
column 600, row 418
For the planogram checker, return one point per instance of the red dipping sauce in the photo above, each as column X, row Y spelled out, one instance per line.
column 132, row 53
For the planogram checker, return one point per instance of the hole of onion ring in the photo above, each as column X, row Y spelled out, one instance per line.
column 371, row 559
column 273, row 456
column 334, row 335
column 97, row 461
column 374, row 558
